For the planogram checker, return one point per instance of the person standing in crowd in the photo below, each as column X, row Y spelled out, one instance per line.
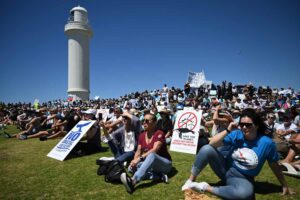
column 165, row 89
column 187, row 88
column 247, row 149
column 152, row 159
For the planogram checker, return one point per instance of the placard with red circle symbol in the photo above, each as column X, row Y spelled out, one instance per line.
column 188, row 120
column 186, row 131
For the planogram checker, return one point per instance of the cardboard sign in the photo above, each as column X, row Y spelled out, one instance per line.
column 65, row 146
column 104, row 113
column 186, row 131
column 196, row 79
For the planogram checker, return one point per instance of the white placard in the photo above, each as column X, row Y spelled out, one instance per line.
column 104, row 112
column 186, row 131
column 188, row 108
column 196, row 79
column 65, row 146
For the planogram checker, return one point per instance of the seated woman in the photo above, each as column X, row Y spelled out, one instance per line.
column 123, row 141
column 247, row 151
column 152, row 159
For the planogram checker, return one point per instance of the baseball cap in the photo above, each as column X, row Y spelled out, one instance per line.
column 90, row 112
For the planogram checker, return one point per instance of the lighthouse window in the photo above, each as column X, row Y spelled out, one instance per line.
column 71, row 17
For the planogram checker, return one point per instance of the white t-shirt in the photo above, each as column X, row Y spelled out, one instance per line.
column 238, row 105
column 129, row 141
column 297, row 120
column 291, row 127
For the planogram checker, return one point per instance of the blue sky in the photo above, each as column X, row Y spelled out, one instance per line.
column 142, row 44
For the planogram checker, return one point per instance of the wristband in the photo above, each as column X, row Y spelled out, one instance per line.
column 141, row 158
column 228, row 131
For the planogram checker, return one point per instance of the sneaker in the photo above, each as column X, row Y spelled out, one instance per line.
column 104, row 140
column 106, row 158
column 165, row 178
column 22, row 137
column 199, row 187
column 186, row 185
column 127, row 182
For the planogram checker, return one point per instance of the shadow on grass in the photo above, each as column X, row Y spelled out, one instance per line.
column 259, row 187
column 173, row 172
column 266, row 188
column 73, row 155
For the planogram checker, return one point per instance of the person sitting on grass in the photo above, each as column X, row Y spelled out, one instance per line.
column 32, row 127
column 92, row 137
column 294, row 150
column 123, row 141
column 114, row 122
column 246, row 151
column 23, row 118
column 152, row 159
column 284, row 132
column 60, row 127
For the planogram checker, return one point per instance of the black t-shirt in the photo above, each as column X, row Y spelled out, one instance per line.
column 164, row 125
column 70, row 122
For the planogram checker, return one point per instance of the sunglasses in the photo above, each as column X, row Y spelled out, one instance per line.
column 147, row 121
column 248, row 125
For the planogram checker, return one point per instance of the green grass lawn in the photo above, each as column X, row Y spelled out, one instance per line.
column 27, row 173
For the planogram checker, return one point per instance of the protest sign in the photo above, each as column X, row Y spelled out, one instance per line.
column 196, row 79
column 188, row 108
column 65, row 146
column 104, row 114
column 186, row 131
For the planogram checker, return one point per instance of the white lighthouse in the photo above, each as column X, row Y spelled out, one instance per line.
column 79, row 33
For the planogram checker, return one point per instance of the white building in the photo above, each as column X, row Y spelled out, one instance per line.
column 79, row 33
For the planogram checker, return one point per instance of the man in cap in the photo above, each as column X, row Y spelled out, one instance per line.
column 123, row 141
column 271, row 124
column 284, row 132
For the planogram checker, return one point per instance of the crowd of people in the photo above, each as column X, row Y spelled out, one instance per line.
column 236, row 120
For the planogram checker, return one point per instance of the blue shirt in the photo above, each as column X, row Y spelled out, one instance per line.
column 248, row 157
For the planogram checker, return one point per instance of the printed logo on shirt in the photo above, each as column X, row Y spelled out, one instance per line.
column 245, row 158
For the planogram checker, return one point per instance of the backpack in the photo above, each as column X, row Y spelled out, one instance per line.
column 103, row 165
column 111, row 170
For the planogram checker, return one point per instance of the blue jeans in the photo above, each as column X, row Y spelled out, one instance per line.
column 238, row 186
column 153, row 167
column 119, row 153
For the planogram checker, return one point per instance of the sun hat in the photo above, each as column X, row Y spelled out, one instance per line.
column 164, row 111
column 90, row 112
